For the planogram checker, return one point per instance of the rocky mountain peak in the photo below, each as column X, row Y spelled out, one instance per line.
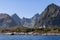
column 3, row 16
column 6, row 21
column 15, row 15
column 50, row 16
column 52, row 4
column 37, row 14
column 16, row 19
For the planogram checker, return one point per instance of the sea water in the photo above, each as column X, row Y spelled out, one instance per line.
column 28, row 37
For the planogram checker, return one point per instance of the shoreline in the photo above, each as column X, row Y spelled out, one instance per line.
column 46, row 34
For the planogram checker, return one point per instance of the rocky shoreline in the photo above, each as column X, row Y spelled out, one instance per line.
column 51, row 34
column 29, row 33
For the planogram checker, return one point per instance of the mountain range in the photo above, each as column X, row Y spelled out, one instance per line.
column 14, row 20
column 50, row 17
column 26, row 22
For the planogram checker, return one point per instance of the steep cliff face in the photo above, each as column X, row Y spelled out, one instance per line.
column 26, row 22
column 50, row 17
column 30, row 22
column 35, row 19
column 17, row 20
column 6, row 21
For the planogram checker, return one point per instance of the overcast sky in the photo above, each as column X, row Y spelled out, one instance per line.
column 25, row 8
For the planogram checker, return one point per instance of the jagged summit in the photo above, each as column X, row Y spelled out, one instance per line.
column 15, row 14
column 37, row 14
column 53, row 5
column 16, row 19
column 50, row 9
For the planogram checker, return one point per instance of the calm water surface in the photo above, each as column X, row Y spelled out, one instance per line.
column 28, row 37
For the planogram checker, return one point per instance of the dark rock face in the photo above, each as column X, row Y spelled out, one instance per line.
column 6, row 21
column 16, row 19
column 50, row 17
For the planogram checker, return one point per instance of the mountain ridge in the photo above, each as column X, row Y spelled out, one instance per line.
column 50, row 16
column 26, row 22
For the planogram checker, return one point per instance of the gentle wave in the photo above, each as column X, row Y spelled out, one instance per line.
column 28, row 37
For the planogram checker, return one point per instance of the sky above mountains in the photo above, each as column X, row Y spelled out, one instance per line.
column 25, row 8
